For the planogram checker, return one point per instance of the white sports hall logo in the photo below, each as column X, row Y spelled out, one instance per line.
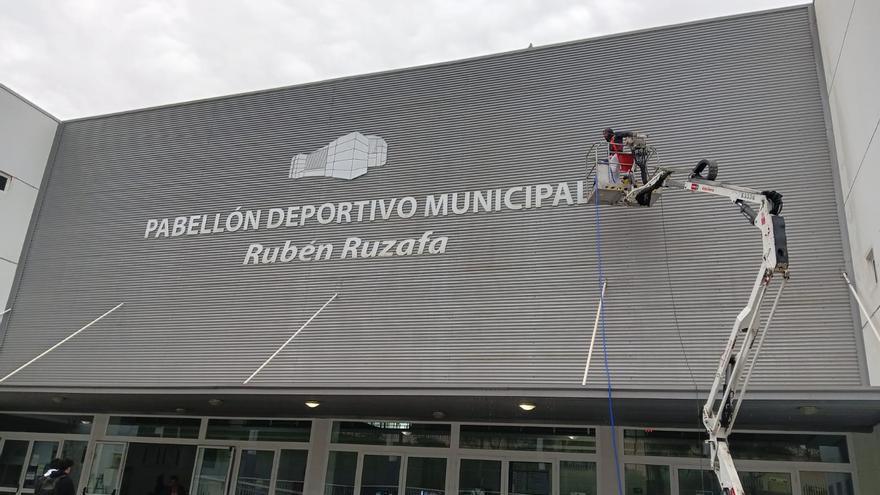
column 347, row 157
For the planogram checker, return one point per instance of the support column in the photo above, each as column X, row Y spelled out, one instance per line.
column 316, row 468
column 607, row 479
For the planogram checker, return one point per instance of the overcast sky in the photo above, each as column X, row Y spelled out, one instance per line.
column 88, row 57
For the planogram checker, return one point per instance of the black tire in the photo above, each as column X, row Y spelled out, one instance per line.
column 711, row 167
column 712, row 172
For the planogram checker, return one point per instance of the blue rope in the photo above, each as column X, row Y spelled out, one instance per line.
column 605, row 342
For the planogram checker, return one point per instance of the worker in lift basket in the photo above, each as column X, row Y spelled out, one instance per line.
column 621, row 163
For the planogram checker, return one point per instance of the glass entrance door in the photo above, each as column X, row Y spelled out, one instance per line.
column 254, row 472
column 157, row 468
column 106, row 469
column 42, row 453
column 16, row 474
column 13, row 455
column 75, row 450
column 213, row 466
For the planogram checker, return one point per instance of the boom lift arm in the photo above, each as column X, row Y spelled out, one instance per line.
column 762, row 209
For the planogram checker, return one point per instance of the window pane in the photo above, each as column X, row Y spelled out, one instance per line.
column 751, row 446
column 106, row 466
column 479, row 477
column 254, row 472
column 766, row 483
column 577, row 478
column 789, row 447
column 259, row 429
column 46, row 423
column 697, row 482
column 818, row 483
column 647, row 479
column 75, row 450
column 12, row 462
column 664, row 443
column 425, row 476
column 213, row 474
column 42, row 454
column 391, row 433
column 531, row 438
column 291, row 472
column 381, row 475
column 341, row 468
column 530, row 478
column 145, row 426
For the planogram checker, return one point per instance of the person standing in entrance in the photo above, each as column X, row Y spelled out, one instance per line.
column 56, row 480
column 174, row 487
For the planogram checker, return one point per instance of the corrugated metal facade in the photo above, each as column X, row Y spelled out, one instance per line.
column 511, row 302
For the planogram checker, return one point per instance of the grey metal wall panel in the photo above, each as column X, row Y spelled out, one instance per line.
column 511, row 303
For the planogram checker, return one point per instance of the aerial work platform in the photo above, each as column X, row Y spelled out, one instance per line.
column 616, row 169
column 619, row 174
column 616, row 184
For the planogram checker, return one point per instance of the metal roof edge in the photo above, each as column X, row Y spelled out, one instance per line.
column 29, row 102
column 843, row 394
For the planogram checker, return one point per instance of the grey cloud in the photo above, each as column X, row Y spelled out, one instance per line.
column 96, row 56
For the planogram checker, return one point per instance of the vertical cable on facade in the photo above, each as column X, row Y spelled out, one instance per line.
column 684, row 353
column 605, row 343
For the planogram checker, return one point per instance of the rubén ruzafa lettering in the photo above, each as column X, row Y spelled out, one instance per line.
column 352, row 247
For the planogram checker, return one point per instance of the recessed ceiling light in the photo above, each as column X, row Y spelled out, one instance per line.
column 808, row 410
column 215, row 402
column 85, row 421
column 180, row 410
column 438, row 414
column 312, row 404
column 406, row 433
column 527, row 406
column 572, row 437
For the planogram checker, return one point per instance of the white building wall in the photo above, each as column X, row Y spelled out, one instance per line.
column 26, row 135
column 849, row 41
